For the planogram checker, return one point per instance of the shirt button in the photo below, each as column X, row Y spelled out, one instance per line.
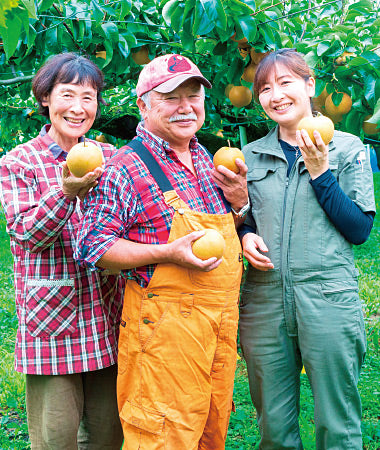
column 150, row 295
column 181, row 211
column 146, row 321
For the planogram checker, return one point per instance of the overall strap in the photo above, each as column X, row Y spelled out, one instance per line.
column 153, row 166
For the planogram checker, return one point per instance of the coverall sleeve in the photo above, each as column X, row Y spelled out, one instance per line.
column 355, row 174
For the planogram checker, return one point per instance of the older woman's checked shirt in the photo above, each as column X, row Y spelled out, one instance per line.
column 68, row 315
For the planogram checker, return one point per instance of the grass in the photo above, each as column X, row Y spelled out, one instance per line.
column 243, row 431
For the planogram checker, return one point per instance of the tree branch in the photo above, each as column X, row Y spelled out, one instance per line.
column 15, row 80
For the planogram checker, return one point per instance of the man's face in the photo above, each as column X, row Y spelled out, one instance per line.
column 177, row 115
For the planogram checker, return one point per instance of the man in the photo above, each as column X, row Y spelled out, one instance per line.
column 177, row 348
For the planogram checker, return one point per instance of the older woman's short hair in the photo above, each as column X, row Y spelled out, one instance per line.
column 66, row 68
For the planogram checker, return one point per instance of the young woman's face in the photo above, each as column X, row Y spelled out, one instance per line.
column 285, row 96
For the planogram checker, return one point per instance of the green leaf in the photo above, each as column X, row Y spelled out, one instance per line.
column 337, row 98
column 369, row 88
column 322, row 48
column 248, row 26
column 87, row 32
column 362, row 5
column 11, row 34
column 97, row 11
column 126, row 6
column 168, row 10
column 177, row 18
column 52, row 39
column 319, row 86
column 240, row 7
column 109, row 52
column 220, row 48
column 44, row 5
column 123, row 46
column 312, row 59
column 376, row 115
column 111, row 32
column 235, row 71
column 222, row 15
column 357, row 61
column 204, row 17
column 352, row 123
column 31, row 8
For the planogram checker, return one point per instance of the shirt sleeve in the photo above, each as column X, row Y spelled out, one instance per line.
column 34, row 219
column 354, row 224
column 109, row 210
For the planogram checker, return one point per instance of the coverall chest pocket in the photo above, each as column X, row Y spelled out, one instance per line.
column 263, row 190
column 51, row 307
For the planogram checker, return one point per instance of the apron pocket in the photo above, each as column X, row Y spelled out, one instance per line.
column 51, row 307
column 142, row 418
column 225, row 277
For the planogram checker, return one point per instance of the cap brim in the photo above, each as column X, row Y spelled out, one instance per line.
column 170, row 85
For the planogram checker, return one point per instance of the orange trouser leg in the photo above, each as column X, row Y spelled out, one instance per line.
column 177, row 366
column 223, row 373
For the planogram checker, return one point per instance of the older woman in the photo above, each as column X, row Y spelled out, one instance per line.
column 68, row 316
column 300, row 303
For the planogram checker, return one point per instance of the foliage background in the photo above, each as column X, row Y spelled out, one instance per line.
column 110, row 32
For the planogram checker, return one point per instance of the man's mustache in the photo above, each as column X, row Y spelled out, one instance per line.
column 179, row 117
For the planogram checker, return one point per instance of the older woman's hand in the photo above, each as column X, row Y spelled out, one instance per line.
column 253, row 245
column 78, row 187
column 316, row 157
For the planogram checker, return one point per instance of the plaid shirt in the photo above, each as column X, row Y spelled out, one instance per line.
column 68, row 315
column 128, row 204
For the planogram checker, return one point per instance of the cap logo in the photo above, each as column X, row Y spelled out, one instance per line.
column 178, row 64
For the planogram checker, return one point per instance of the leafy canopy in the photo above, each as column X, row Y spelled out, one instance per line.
column 340, row 40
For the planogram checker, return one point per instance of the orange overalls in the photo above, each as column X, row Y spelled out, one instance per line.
column 177, row 346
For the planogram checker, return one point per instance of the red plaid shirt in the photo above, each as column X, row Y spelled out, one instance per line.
column 68, row 315
column 128, row 204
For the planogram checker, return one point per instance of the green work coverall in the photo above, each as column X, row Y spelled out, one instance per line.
column 306, row 311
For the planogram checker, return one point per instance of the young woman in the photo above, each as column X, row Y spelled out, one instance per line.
column 68, row 316
column 300, row 303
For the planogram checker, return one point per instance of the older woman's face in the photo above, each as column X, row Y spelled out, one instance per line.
column 72, row 110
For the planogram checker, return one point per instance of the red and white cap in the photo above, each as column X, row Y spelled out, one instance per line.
column 167, row 72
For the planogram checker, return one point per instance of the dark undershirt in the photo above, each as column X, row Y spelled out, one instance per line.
column 354, row 224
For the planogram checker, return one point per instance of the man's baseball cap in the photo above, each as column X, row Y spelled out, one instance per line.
column 167, row 72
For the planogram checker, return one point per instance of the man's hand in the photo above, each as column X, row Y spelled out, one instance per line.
column 78, row 187
column 180, row 252
column 233, row 185
column 124, row 254
column 252, row 246
column 316, row 157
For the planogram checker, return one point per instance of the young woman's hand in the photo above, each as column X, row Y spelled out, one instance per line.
column 253, row 246
column 316, row 157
